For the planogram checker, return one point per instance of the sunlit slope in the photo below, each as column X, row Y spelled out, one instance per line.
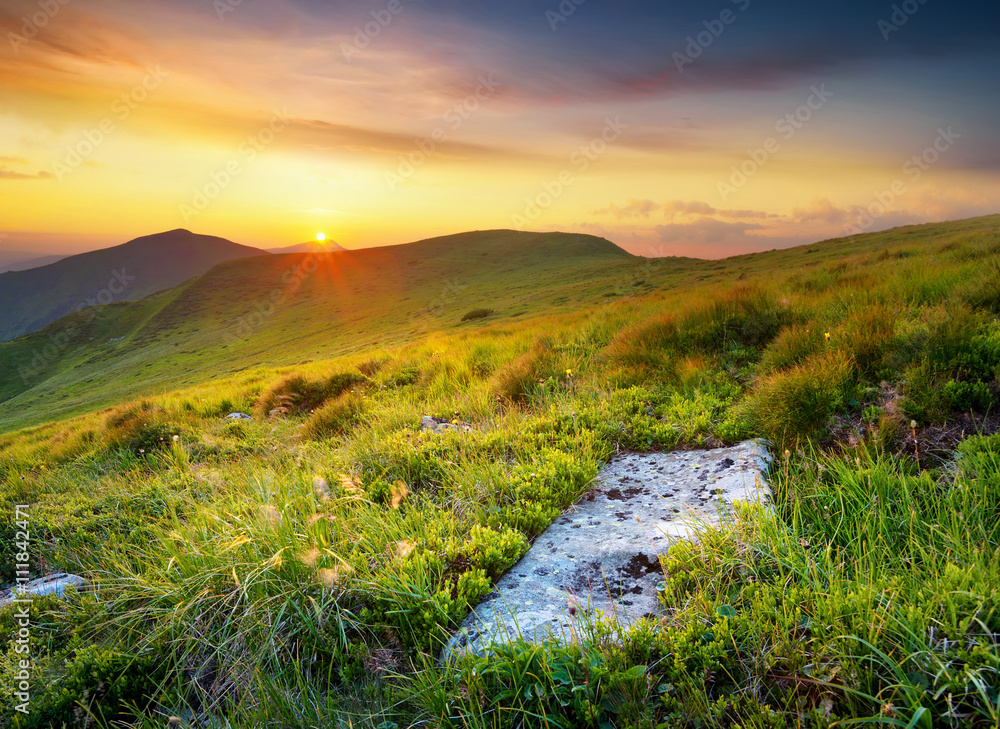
column 293, row 309
column 31, row 299
column 288, row 309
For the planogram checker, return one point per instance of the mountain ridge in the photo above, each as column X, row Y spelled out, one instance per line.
column 36, row 297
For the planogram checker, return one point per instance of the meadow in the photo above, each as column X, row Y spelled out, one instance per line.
column 303, row 569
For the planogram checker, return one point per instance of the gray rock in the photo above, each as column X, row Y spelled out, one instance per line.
column 436, row 425
column 603, row 553
column 238, row 416
column 54, row 584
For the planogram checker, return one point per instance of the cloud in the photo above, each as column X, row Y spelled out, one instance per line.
column 688, row 208
column 821, row 211
column 705, row 230
column 633, row 209
column 678, row 208
column 744, row 214
column 8, row 174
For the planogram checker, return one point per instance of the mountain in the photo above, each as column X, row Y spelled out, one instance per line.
column 23, row 260
column 31, row 299
column 310, row 247
column 288, row 309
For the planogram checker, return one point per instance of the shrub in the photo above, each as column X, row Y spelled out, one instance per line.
column 647, row 351
column 335, row 417
column 791, row 407
column 958, row 370
column 867, row 337
column 516, row 380
column 139, row 427
column 432, row 589
column 985, row 293
column 746, row 315
column 793, row 345
column 305, row 394
column 477, row 314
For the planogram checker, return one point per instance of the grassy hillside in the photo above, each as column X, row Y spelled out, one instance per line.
column 278, row 310
column 31, row 299
column 303, row 569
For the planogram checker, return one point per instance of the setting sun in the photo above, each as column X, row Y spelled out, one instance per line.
column 321, row 237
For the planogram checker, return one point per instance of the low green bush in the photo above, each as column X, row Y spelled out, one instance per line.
column 476, row 314
column 518, row 379
column 299, row 393
column 141, row 428
column 793, row 406
column 336, row 416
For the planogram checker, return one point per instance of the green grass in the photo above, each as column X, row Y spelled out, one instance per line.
column 304, row 569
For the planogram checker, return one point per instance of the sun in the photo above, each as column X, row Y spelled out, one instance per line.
column 320, row 237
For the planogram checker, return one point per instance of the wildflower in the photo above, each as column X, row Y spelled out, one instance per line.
column 569, row 373
column 827, row 335
column 176, row 438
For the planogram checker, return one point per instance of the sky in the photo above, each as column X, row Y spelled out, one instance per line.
column 672, row 127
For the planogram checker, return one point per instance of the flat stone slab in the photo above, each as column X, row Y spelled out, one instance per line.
column 603, row 552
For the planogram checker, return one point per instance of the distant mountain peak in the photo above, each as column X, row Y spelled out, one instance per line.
column 31, row 299
column 311, row 246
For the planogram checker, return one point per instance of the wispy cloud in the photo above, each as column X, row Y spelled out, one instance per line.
column 8, row 174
